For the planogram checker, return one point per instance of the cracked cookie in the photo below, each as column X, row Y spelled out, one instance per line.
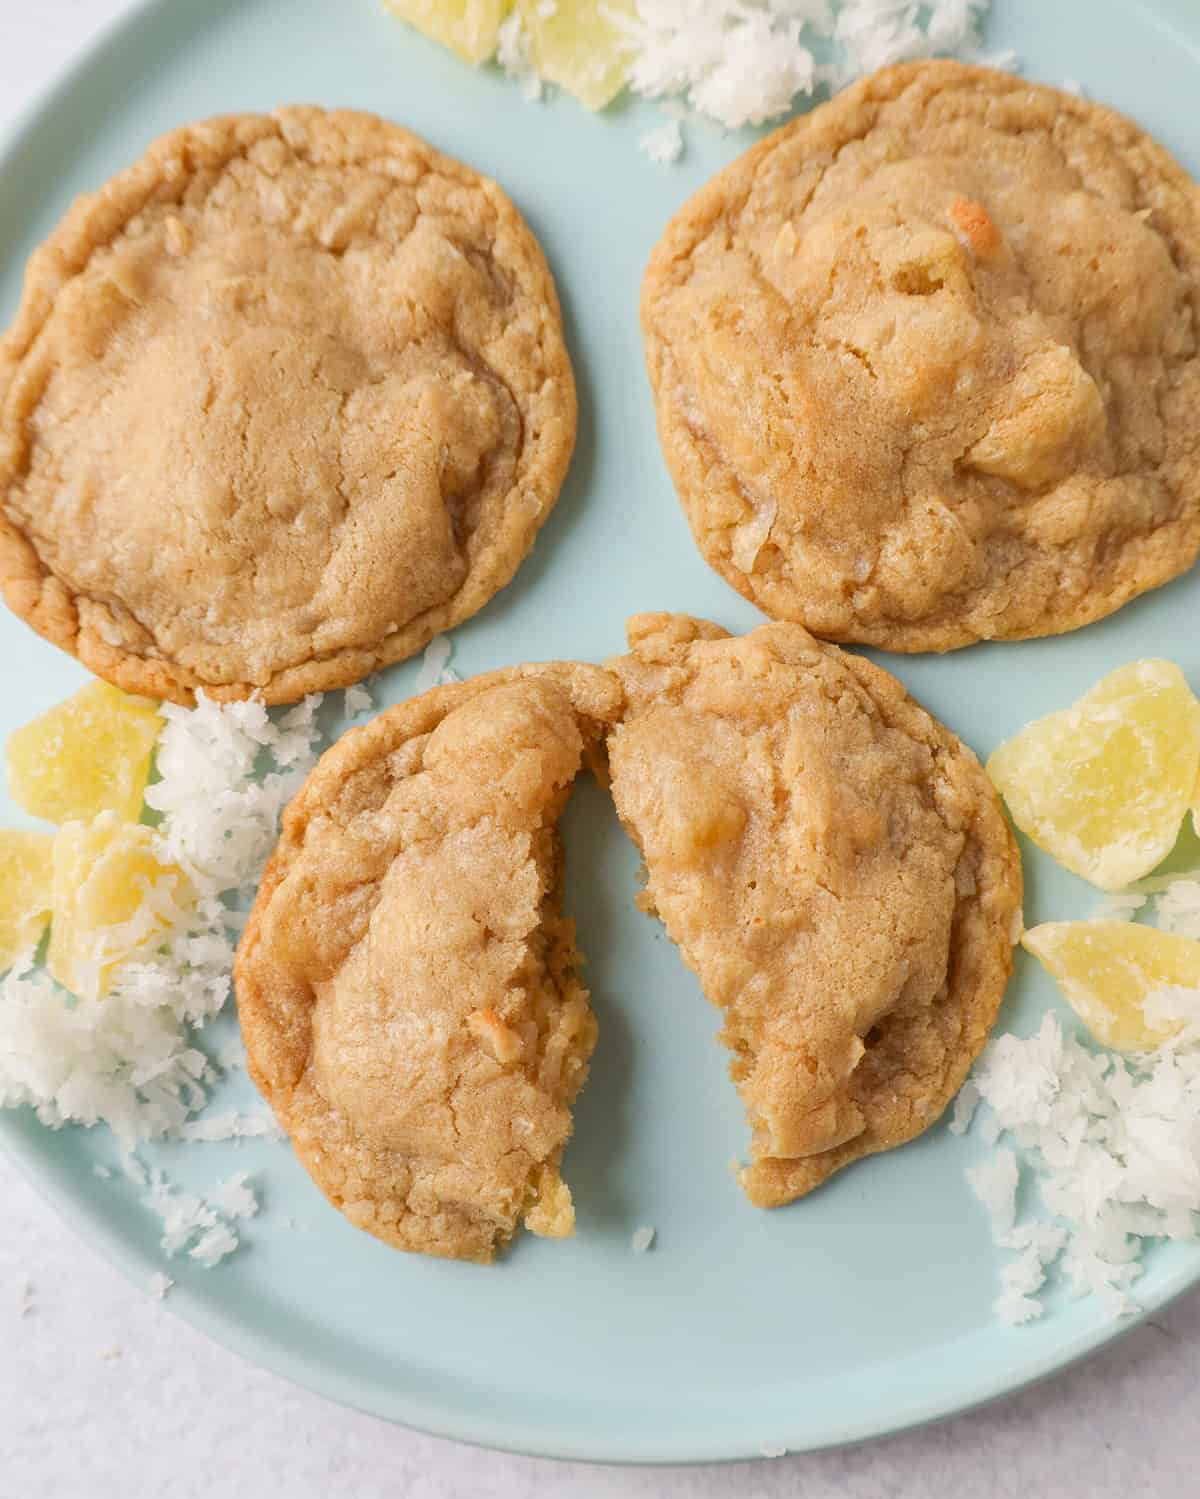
column 281, row 402
column 834, row 866
column 925, row 362
column 407, row 984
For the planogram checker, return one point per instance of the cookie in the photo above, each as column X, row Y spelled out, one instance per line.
column 925, row 362
column 834, row 866
column 281, row 402
column 407, row 984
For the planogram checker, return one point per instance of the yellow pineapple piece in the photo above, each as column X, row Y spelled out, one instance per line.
column 1106, row 971
column 112, row 900
column 25, row 880
column 468, row 27
column 1105, row 785
column 577, row 45
column 88, row 755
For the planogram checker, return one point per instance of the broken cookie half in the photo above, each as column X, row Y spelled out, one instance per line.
column 407, row 983
column 834, row 866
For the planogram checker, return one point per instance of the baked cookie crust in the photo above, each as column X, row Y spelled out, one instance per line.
column 407, row 984
column 834, row 866
column 281, row 402
column 925, row 362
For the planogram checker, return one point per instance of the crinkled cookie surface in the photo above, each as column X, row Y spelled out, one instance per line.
column 834, row 866
column 282, row 401
column 407, row 984
column 925, row 362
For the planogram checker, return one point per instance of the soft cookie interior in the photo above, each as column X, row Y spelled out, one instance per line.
column 408, row 985
column 833, row 865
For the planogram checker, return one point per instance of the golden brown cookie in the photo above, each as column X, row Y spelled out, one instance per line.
column 407, row 983
column 925, row 362
column 834, row 866
column 282, row 401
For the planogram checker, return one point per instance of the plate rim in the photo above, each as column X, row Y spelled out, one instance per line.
column 401, row 1407
column 332, row 1383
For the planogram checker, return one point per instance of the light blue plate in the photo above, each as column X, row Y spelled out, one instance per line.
column 860, row 1311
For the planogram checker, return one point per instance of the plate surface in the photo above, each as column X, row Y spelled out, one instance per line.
column 864, row 1309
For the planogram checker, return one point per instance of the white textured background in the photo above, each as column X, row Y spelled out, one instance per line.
column 105, row 1395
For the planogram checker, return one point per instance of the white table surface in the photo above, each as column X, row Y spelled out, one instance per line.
column 105, row 1395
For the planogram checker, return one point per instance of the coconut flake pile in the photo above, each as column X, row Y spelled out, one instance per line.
column 1171, row 902
column 744, row 62
column 128, row 1059
column 1112, row 1144
column 203, row 1228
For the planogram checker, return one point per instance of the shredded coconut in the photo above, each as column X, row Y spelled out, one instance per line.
column 744, row 62
column 876, row 33
column 435, row 665
column 213, row 1245
column 234, row 1198
column 663, row 144
column 513, row 55
column 231, row 1055
column 1177, row 906
column 1170, row 901
column 127, row 1060
column 1123, row 906
column 737, row 61
column 201, row 1227
column 158, row 1284
column 230, row 1126
column 995, row 1184
column 356, row 700
column 1113, row 1145
column 643, row 1239
column 772, row 1452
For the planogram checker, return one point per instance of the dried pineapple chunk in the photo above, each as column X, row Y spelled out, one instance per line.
column 1105, row 785
column 88, row 755
column 112, row 900
column 468, row 27
column 577, row 44
column 25, row 880
column 1106, row 971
